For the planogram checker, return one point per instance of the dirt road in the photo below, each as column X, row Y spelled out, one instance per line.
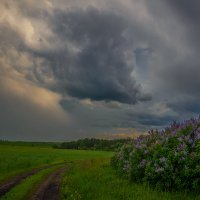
column 50, row 188
column 8, row 185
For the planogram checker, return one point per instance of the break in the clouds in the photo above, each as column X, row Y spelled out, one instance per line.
column 71, row 69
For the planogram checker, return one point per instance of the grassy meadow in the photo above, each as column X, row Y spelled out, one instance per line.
column 15, row 159
column 89, row 177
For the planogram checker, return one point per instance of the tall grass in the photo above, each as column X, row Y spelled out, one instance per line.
column 95, row 179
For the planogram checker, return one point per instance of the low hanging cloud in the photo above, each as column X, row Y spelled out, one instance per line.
column 96, row 59
column 89, row 51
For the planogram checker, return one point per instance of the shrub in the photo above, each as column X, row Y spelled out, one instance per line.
column 168, row 159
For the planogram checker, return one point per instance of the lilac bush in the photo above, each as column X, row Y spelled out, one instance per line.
column 169, row 159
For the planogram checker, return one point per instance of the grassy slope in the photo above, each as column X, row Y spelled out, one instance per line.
column 15, row 159
column 90, row 180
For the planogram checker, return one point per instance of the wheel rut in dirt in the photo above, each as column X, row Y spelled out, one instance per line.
column 8, row 185
column 50, row 188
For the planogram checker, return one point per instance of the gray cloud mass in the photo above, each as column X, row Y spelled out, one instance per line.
column 70, row 69
column 98, row 62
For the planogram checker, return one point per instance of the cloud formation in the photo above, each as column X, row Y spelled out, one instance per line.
column 96, row 57
column 86, row 69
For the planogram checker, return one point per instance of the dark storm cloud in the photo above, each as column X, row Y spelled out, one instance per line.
column 183, row 76
column 101, row 65
column 186, row 105
column 94, row 63
column 97, row 60
column 182, row 73
column 97, row 116
column 178, row 71
column 142, row 56
column 149, row 119
column 188, row 11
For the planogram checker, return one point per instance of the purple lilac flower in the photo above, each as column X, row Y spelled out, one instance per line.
column 187, row 138
column 155, row 165
column 163, row 159
column 126, row 166
column 174, row 132
column 185, row 152
column 182, row 158
column 198, row 136
column 142, row 163
column 179, row 139
column 146, row 152
column 183, row 146
column 177, row 148
column 192, row 154
column 161, row 137
column 159, row 169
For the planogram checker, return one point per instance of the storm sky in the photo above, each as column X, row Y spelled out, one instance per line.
column 72, row 69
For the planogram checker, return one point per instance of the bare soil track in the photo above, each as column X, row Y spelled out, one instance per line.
column 50, row 188
column 8, row 185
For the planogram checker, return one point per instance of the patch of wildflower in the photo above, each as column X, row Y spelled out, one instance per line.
column 169, row 158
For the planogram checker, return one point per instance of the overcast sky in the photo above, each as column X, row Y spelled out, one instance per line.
column 97, row 68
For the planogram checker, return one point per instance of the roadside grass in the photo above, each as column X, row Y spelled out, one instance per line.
column 17, row 159
column 95, row 179
column 26, row 187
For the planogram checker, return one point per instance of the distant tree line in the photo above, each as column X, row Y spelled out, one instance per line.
column 29, row 144
column 94, row 144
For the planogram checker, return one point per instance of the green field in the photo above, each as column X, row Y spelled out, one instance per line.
column 89, row 176
column 15, row 159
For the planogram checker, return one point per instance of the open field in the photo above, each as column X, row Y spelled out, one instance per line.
column 33, row 163
column 16, row 159
column 88, row 176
